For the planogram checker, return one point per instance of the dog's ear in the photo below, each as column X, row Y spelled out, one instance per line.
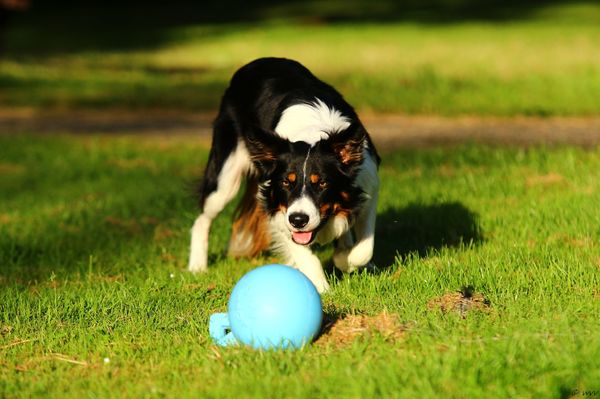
column 348, row 145
column 265, row 147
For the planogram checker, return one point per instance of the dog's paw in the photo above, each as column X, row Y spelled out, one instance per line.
column 340, row 260
column 197, row 266
column 316, row 277
column 349, row 260
column 321, row 285
column 360, row 254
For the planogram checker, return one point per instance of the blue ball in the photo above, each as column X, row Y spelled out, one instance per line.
column 275, row 306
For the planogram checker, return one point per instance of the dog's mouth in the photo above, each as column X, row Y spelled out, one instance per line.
column 303, row 237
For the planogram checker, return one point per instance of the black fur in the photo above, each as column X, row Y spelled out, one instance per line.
column 251, row 108
column 335, row 179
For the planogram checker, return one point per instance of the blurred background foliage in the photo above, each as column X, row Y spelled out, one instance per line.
column 425, row 57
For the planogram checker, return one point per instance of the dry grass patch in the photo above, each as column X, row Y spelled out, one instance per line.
column 340, row 332
column 547, row 180
column 462, row 302
column 11, row 168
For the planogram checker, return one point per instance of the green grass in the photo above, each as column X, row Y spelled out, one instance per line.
column 93, row 246
column 543, row 62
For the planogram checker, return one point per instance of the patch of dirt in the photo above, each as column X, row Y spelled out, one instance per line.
column 168, row 257
column 162, row 233
column 129, row 225
column 11, row 168
column 5, row 218
column 134, row 163
column 388, row 131
column 576, row 242
column 461, row 302
column 427, row 130
column 69, row 228
column 135, row 226
column 550, row 179
column 340, row 332
column 5, row 330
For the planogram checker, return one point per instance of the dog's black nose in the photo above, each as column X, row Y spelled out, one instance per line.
column 298, row 220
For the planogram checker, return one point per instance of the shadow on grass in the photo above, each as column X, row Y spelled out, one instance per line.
column 137, row 234
column 67, row 26
column 105, row 246
column 420, row 228
column 48, row 33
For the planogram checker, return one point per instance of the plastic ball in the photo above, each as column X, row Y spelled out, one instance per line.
column 275, row 306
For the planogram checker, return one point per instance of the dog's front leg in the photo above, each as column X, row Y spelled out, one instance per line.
column 342, row 248
column 348, row 256
column 362, row 251
column 301, row 257
column 304, row 260
column 199, row 244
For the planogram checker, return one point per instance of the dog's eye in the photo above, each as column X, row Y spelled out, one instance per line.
column 323, row 185
column 289, row 180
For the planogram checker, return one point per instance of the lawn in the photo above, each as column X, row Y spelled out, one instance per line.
column 542, row 59
column 95, row 300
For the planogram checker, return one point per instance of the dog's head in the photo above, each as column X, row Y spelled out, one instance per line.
column 308, row 184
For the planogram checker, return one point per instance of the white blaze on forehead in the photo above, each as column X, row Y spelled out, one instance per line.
column 306, row 206
column 304, row 170
column 310, row 122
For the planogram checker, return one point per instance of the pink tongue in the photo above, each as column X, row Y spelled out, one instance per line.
column 302, row 237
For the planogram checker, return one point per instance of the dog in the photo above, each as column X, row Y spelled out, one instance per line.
column 309, row 166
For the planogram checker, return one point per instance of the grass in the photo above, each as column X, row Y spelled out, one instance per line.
column 543, row 62
column 94, row 299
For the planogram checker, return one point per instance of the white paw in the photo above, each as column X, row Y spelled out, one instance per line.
column 322, row 285
column 360, row 255
column 340, row 260
column 317, row 277
column 197, row 265
column 348, row 260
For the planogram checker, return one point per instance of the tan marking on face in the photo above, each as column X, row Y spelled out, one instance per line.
column 345, row 196
column 291, row 177
column 314, row 178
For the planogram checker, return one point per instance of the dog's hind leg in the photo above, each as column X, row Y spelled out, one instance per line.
column 249, row 235
column 228, row 163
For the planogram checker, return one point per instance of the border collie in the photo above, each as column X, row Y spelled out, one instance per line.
column 309, row 165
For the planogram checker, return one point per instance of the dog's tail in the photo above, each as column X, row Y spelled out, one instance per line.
column 250, row 234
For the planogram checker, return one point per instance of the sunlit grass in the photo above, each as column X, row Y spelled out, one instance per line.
column 95, row 299
column 545, row 64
